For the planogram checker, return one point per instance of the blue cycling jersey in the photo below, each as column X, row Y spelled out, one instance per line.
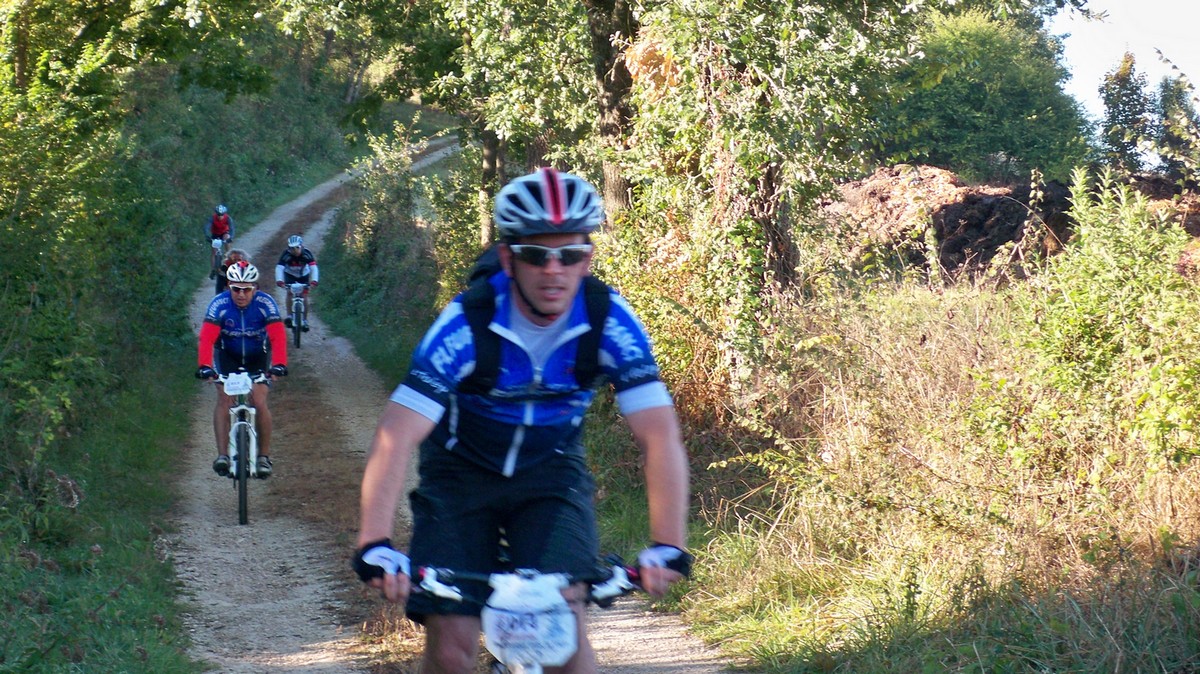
column 243, row 331
column 533, row 412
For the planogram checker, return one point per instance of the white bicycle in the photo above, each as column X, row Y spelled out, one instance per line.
column 218, row 254
column 527, row 624
column 299, row 310
column 243, row 435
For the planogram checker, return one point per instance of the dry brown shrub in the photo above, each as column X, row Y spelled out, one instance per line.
column 652, row 64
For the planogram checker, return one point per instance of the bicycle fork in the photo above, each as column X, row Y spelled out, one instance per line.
column 243, row 415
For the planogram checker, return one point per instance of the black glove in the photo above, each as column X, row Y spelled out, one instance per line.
column 377, row 558
column 205, row 372
column 667, row 556
column 278, row 371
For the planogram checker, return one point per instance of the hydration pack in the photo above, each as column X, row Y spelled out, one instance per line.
column 479, row 306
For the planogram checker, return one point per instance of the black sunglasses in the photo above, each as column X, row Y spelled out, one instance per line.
column 241, row 289
column 539, row 256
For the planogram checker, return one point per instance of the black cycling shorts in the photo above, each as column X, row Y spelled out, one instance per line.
column 461, row 511
column 254, row 363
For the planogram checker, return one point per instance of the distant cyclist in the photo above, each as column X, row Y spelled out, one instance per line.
column 296, row 265
column 242, row 330
column 219, row 226
column 234, row 255
column 495, row 415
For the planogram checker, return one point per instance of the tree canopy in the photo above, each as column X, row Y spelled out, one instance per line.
column 986, row 101
column 1126, row 115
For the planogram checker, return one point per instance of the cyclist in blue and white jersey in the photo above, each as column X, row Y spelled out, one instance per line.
column 242, row 329
column 507, row 457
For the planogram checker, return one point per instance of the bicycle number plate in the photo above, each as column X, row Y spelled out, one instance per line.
column 237, row 384
column 530, row 637
column 217, row 243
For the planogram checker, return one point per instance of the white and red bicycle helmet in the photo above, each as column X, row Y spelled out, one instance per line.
column 547, row 202
column 241, row 272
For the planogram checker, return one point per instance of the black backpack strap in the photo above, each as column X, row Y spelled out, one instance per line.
column 587, row 357
column 479, row 306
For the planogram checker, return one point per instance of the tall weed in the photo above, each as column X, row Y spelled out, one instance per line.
column 971, row 479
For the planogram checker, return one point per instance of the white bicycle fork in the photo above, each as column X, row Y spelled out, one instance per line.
column 251, row 433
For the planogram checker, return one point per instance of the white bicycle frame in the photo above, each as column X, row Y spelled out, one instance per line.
column 237, row 384
column 299, row 308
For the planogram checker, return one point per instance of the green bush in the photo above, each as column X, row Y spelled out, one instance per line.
column 1112, row 322
column 381, row 261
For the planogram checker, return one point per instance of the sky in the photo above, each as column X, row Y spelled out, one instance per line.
column 1138, row 26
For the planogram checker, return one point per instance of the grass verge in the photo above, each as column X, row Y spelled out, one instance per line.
column 87, row 586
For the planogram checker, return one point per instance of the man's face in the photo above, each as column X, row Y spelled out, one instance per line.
column 242, row 293
column 551, row 285
column 295, row 250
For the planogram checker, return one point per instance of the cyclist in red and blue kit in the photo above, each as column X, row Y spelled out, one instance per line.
column 505, row 457
column 242, row 329
column 220, row 226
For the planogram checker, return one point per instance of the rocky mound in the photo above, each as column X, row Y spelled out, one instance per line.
column 896, row 205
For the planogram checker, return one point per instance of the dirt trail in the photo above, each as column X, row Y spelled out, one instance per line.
column 277, row 595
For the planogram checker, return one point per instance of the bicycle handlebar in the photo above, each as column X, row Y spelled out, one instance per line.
column 259, row 378
column 621, row 580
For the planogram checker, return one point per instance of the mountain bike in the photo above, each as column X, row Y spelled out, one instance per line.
column 527, row 624
column 243, row 435
column 218, row 254
column 299, row 310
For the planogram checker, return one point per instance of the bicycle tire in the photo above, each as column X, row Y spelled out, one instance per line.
column 297, row 323
column 242, row 474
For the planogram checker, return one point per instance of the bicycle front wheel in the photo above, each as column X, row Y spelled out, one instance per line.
column 242, row 474
column 297, row 323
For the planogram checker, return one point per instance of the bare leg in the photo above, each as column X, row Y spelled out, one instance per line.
column 584, row 660
column 221, row 420
column 263, row 415
column 451, row 644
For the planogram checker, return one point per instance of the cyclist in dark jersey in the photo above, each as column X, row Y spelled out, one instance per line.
column 296, row 265
column 242, row 329
column 510, row 459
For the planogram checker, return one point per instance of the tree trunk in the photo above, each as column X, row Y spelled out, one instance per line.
column 492, row 170
column 20, row 48
column 354, row 86
column 608, row 22
column 535, row 153
column 767, row 209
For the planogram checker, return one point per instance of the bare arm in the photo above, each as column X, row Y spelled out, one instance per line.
column 656, row 431
column 397, row 436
